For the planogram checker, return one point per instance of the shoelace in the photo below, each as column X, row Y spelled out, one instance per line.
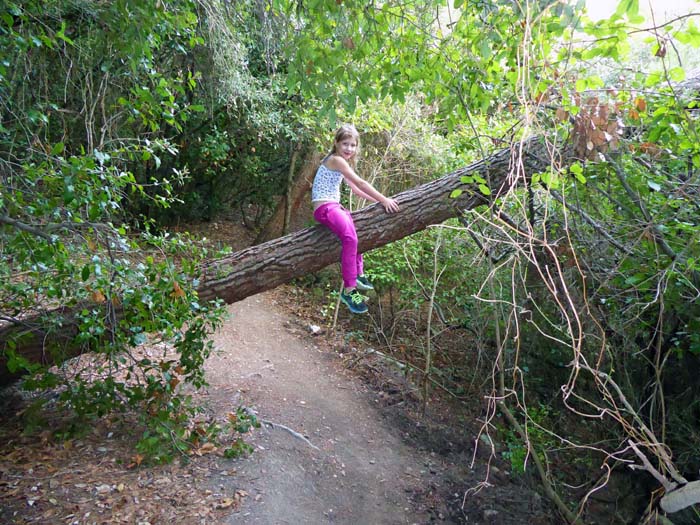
column 356, row 297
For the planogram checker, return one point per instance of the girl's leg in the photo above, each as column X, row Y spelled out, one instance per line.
column 360, row 265
column 339, row 221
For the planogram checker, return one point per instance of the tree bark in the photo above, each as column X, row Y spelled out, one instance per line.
column 681, row 498
column 268, row 265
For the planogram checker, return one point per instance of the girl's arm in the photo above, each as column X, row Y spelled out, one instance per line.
column 360, row 186
column 359, row 192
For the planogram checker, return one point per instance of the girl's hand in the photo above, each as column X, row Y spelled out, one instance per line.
column 391, row 206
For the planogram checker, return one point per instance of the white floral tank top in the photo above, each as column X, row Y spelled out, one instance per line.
column 326, row 185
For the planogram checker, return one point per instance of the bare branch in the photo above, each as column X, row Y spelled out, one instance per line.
column 5, row 219
column 597, row 227
column 667, row 485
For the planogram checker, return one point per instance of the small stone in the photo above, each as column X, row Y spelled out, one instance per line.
column 490, row 514
column 314, row 329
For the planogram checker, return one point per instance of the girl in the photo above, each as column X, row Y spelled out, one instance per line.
column 337, row 166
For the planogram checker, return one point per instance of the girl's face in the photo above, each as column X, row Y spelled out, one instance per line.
column 346, row 147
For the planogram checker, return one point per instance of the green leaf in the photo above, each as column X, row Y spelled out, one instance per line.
column 653, row 78
column 654, row 185
column 677, row 74
column 62, row 34
column 691, row 35
column 627, row 7
column 483, row 188
column 16, row 362
column 57, row 148
column 68, row 194
column 456, row 193
column 577, row 170
column 656, row 132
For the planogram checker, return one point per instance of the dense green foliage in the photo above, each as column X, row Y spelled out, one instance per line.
column 574, row 297
column 96, row 98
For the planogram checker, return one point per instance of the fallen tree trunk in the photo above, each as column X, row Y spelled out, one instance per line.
column 278, row 261
column 268, row 265
column 681, row 498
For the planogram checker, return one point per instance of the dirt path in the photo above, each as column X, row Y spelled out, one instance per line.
column 360, row 473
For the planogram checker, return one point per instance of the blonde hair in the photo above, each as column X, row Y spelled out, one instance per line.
column 344, row 132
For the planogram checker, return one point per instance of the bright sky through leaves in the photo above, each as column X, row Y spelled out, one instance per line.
column 662, row 9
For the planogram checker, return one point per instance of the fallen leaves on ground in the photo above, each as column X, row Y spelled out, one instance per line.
column 98, row 479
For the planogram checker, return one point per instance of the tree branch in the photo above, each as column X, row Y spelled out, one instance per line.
column 597, row 227
column 5, row 219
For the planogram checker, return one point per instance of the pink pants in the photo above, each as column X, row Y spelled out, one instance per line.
column 339, row 221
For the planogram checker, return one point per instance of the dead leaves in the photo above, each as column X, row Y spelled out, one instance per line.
column 207, row 448
column 640, row 104
column 233, row 503
column 136, row 461
column 83, row 481
column 562, row 115
column 177, row 291
column 96, row 295
column 598, row 128
column 661, row 50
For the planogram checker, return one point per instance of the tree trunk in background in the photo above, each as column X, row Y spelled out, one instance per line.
column 288, row 195
column 268, row 265
column 290, row 209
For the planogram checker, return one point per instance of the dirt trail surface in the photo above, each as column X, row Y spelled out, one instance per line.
column 353, row 467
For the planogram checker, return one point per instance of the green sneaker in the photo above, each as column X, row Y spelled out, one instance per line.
column 355, row 301
column 363, row 284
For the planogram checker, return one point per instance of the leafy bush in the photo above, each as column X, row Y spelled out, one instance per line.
column 76, row 156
